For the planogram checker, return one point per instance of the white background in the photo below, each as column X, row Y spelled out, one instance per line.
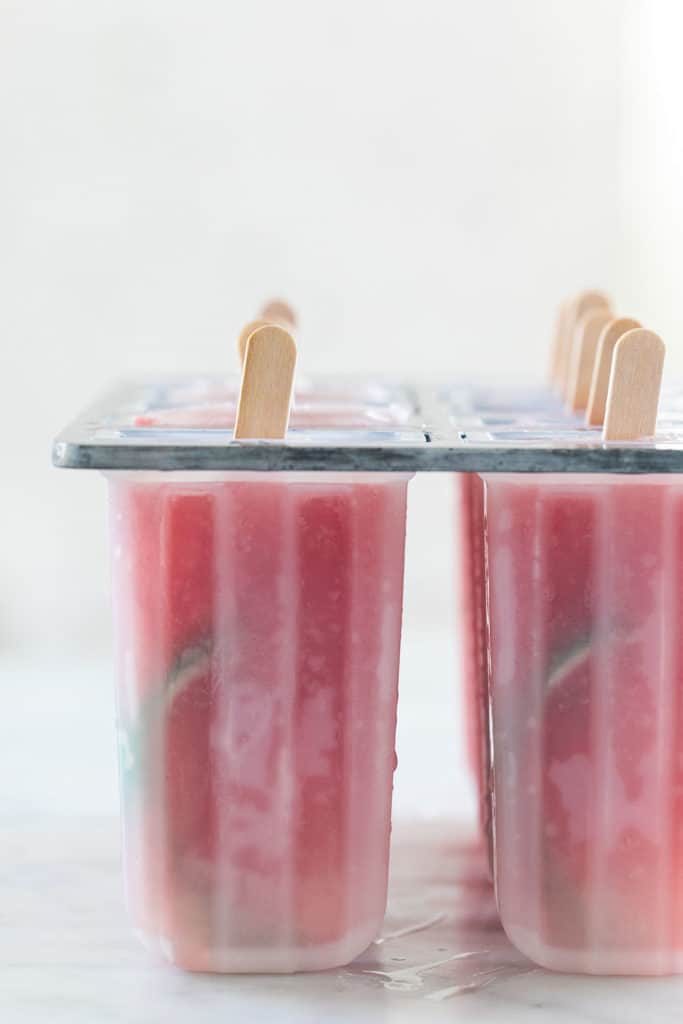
column 423, row 180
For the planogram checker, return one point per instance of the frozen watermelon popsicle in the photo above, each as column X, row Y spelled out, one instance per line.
column 585, row 595
column 258, row 621
column 259, row 630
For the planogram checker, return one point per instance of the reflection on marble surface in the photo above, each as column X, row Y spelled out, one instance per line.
column 66, row 952
column 441, row 936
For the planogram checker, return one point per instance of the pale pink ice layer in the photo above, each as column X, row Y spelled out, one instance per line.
column 258, row 629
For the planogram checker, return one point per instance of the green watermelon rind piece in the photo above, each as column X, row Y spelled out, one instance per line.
column 135, row 735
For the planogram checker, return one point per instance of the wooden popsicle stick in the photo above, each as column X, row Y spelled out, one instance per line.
column 243, row 336
column 277, row 311
column 555, row 355
column 634, row 385
column 267, row 380
column 597, row 398
column 581, row 304
column 585, row 346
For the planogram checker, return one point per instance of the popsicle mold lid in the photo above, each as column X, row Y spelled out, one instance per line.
column 358, row 424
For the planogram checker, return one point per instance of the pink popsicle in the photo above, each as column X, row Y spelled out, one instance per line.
column 260, row 620
column 586, row 597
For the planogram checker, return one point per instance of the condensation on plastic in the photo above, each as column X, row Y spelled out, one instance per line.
column 258, row 628
column 585, row 595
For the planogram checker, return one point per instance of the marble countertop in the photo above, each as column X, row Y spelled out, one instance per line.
column 67, row 955
column 66, row 951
